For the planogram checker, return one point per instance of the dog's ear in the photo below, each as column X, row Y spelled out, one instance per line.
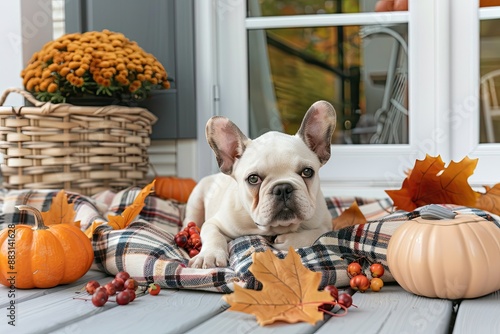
column 317, row 128
column 226, row 140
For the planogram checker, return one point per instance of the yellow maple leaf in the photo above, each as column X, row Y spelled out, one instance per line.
column 89, row 232
column 60, row 211
column 430, row 182
column 119, row 222
column 290, row 291
column 349, row 217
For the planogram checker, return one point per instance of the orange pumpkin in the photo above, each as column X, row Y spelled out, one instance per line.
column 489, row 3
column 400, row 5
column 43, row 257
column 170, row 187
column 384, row 6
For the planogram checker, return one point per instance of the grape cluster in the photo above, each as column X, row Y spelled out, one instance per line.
column 122, row 285
column 189, row 239
column 360, row 282
column 343, row 299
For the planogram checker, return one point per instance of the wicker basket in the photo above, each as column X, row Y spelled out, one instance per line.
column 77, row 148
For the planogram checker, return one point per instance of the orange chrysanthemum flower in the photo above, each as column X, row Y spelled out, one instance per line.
column 95, row 62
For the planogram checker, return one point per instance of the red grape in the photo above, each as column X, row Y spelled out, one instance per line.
column 110, row 289
column 123, row 297
column 91, row 286
column 123, row 275
column 181, row 240
column 132, row 294
column 100, row 297
column 345, row 300
column 118, row 282
column 334, row 292
column 130, row 284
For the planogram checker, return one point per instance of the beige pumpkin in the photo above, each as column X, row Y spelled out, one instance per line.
column 449, row 258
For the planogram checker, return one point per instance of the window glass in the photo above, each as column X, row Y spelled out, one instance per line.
column 308, row 7
column 361, row 70
column 490, row 81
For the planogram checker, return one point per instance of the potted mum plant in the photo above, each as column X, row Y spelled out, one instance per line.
column 93, row 64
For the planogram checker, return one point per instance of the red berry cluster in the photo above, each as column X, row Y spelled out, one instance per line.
column 343, row 299
column 359, row 281
column 189, row 239
column 123, row 286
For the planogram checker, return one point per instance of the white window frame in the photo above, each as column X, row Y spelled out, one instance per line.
column 465, row 92
column 443, row 68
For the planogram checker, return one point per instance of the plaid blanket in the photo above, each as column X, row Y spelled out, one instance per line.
column 146, row 248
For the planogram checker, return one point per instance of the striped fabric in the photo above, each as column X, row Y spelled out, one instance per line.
column 146, row 248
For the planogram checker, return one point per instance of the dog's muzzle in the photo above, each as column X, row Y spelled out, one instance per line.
column 285, row 206
column 282, row 191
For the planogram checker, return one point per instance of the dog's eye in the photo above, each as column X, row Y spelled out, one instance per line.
column 307, row 173
column 254, row 179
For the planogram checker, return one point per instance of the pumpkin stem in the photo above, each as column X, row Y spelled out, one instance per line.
column 39, row 225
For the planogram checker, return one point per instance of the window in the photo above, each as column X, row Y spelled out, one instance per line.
column 361, row 69
column 489, row 44
column 355, row 167
column 58, row 18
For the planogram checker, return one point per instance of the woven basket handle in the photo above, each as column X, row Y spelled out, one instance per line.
column 24, row 93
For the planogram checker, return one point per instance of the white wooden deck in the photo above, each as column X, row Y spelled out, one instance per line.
column 392, row 310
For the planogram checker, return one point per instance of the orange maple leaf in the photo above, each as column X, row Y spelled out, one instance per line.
column 350, row 217
column 119, row 222
column 89, row 232
column 430, row 182
column 490, row 200
column 60, row 211
column 290, row 291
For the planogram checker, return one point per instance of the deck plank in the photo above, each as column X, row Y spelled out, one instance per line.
column 43, row 310
column 392, row 310
column 480, row 315
column 231, row 322
column 172, row 311
column 26, row 294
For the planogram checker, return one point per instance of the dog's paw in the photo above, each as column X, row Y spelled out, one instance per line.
column 293, row 239
column 209, row 259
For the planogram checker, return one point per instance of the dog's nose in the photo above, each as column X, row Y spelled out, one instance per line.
column 283, row 191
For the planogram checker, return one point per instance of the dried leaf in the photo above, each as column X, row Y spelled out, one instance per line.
column 119, row 222
column 60, row 211
column 430, row 182
column 290, row 291
column 490, row 200
column 350, row 217
column 89, row 232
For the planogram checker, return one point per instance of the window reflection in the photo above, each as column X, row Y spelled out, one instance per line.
column 309, row 7
column 490, row 81
column 361, row 70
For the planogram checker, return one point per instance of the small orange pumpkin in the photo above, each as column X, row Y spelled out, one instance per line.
column 489, row 3
column 41, row 256
column 384, row 6
column 449, row 258
column 400, row 5
column 171, row 187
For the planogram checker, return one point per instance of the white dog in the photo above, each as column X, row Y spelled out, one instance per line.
column 268, row 186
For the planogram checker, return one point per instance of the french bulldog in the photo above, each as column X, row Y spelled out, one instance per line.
column 267, row 186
